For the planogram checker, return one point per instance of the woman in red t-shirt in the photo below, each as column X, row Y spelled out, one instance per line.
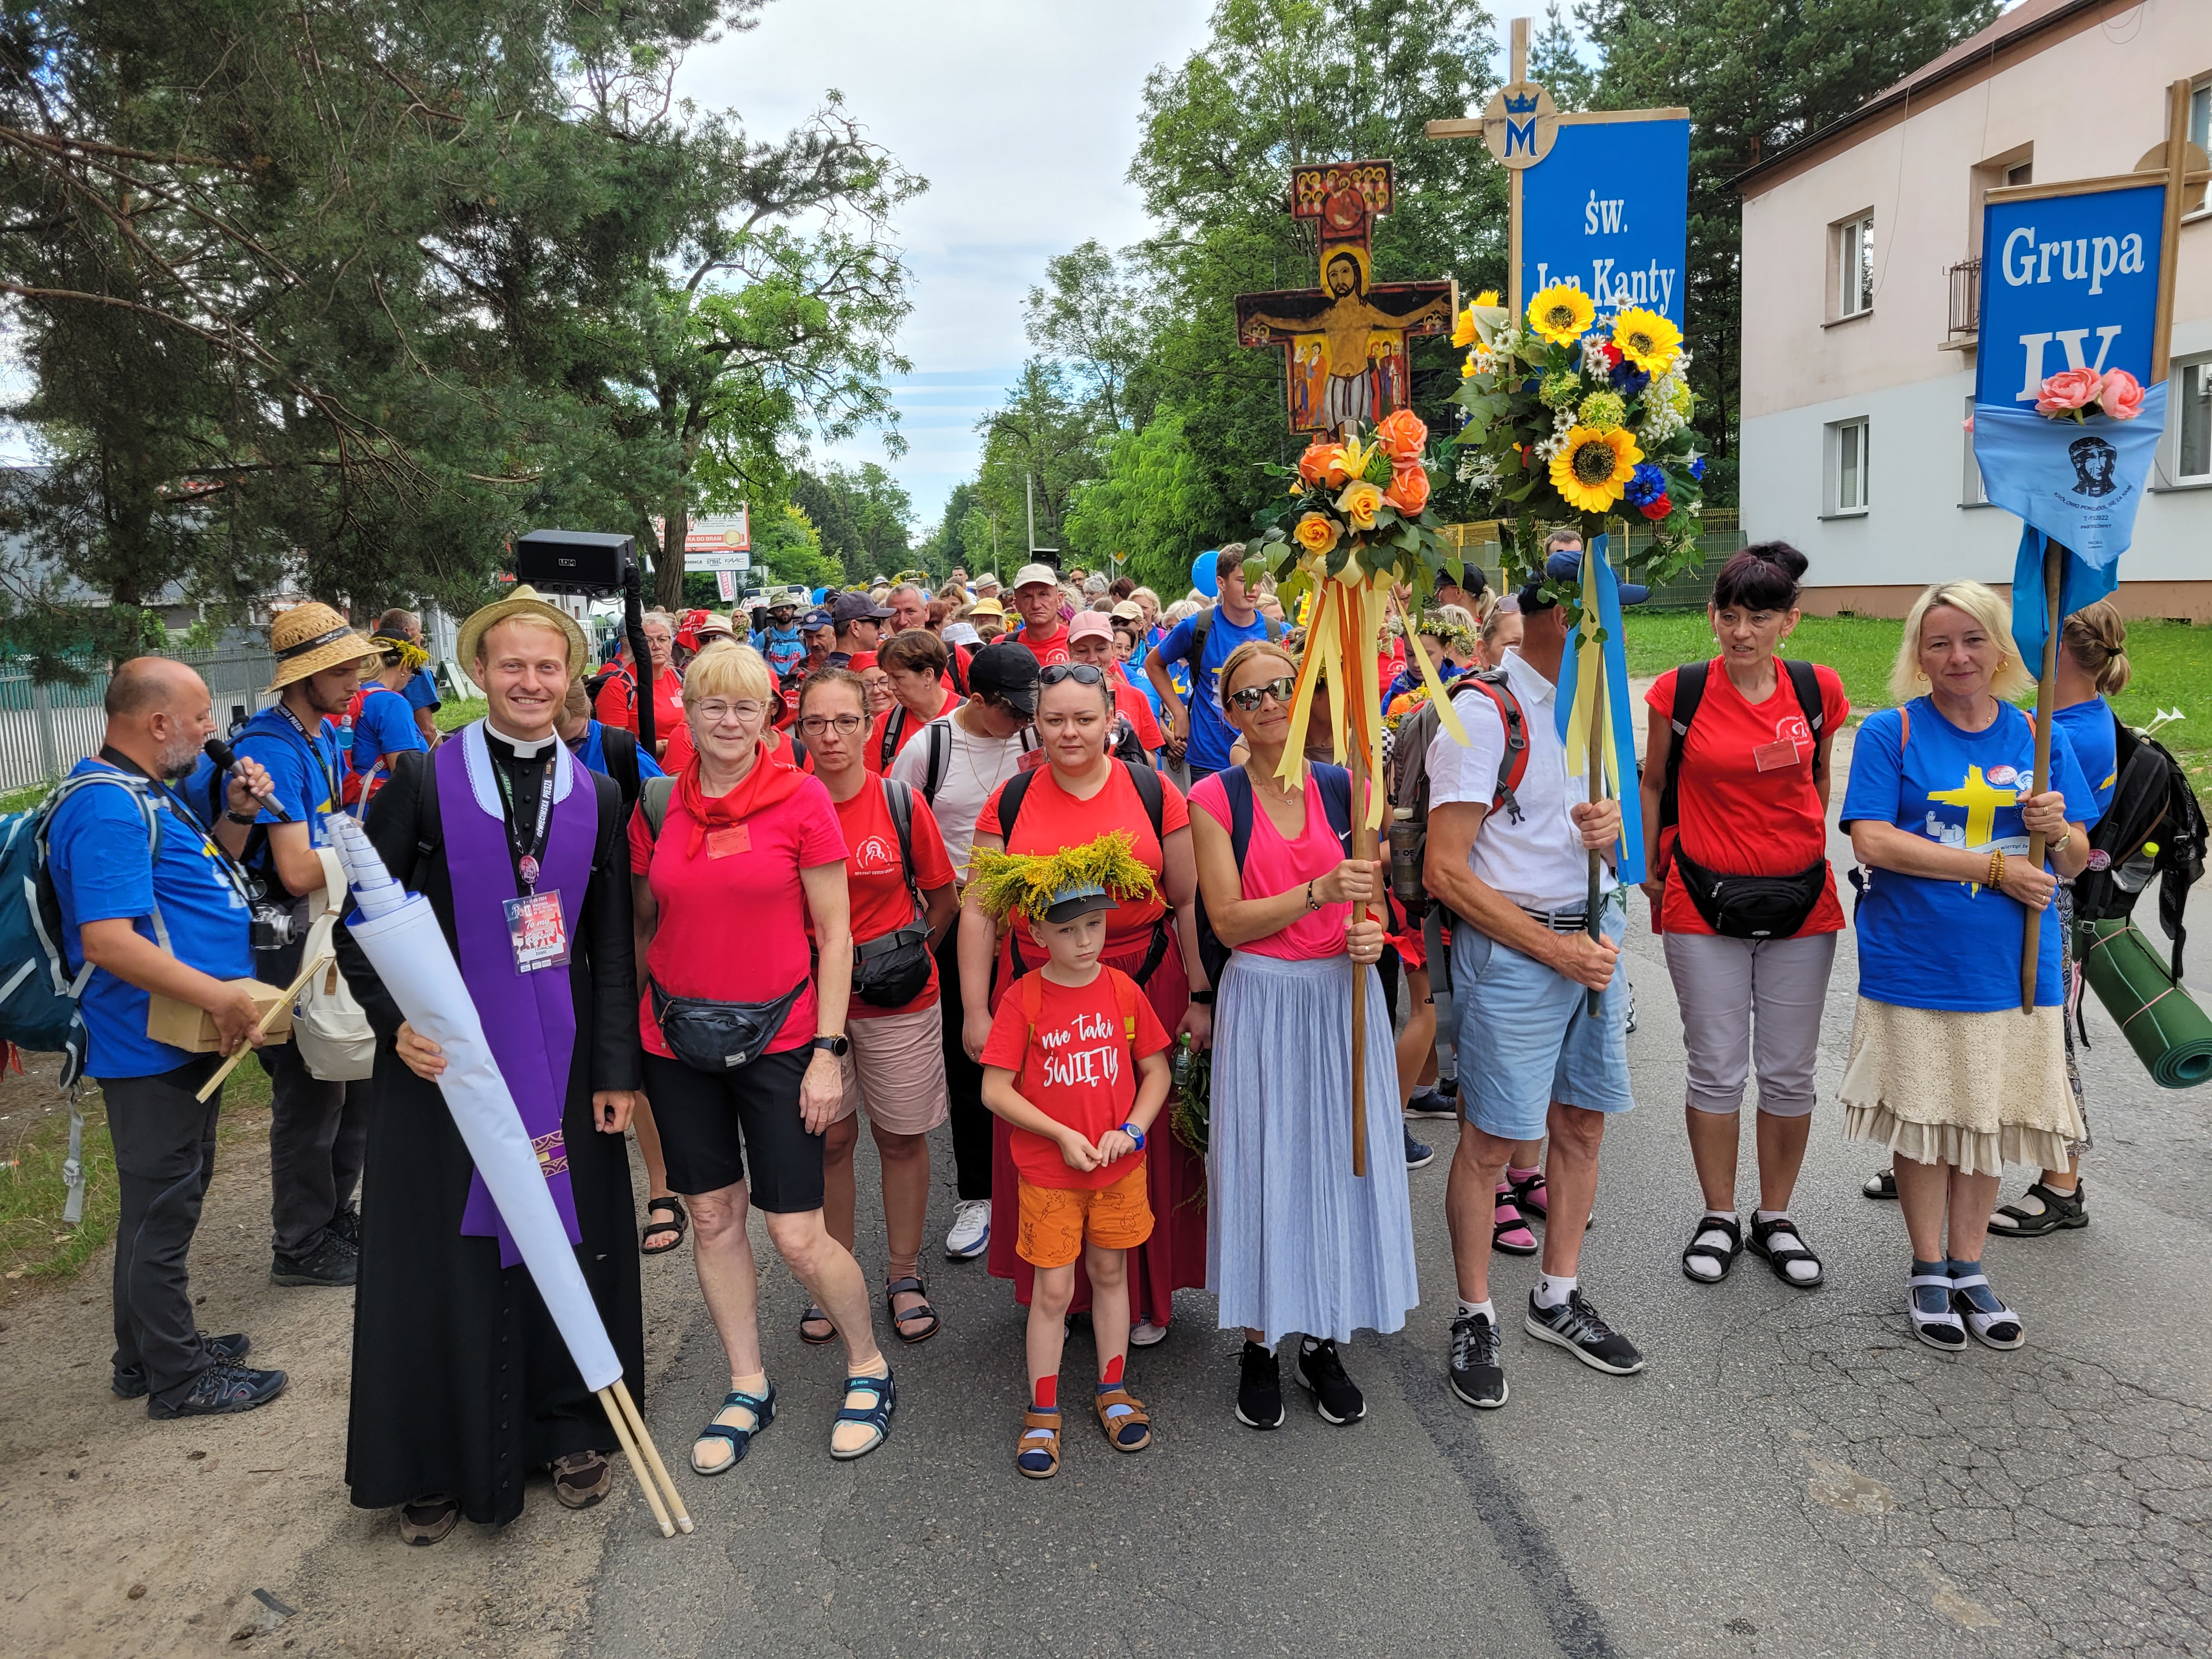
column 1752, row 792
column 914, row 662
column 896, row 1066
column 1078, row 793
column 746, row 860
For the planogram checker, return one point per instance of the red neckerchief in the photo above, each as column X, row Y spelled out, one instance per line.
column 772, row 779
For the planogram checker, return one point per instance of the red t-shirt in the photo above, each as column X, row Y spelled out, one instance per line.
column 733, row 929
column 1746, row 806
column 1049, row 650
column 908, row 727
column 1077, row 1067
column 1128, row 701
column 875, row 883
column 618, row 703
column 1052, row 818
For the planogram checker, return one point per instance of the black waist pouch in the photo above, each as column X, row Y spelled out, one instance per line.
column 1751, row 907
column 718, row 1036
column 890, row 972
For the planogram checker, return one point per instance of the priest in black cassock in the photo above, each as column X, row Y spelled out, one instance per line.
column 462, row 1385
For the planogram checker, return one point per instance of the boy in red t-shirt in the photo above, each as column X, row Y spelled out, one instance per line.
column 1077, row 1064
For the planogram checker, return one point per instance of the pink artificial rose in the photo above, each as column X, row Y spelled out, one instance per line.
column 2121, row 394
column 2069, row 390
column 1968, row 423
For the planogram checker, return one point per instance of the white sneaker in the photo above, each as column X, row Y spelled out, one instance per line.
column 971, row 1229
column 1144, row 1334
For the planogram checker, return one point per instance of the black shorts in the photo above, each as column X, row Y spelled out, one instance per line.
column 708, row 1124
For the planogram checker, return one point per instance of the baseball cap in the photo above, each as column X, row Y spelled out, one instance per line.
column 1129, row 610
column 1080, row 900
column 857, row 607
column 1088, row 622
column 816, row 619
column 1008, row 672
column 1035, row 573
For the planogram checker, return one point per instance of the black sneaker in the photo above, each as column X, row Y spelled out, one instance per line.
column 1478, row 1373
column 132, row 1384
column 1433, row 1103
column 332, row 1262
column 1320, row 1372
column 221, row 1389
column 1578, row 1328
column 1260, row 1390
column 1419, row 1153
column 346, row 1224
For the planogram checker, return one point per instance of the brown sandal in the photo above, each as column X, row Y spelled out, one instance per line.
column 1040, row 1440
column 581, row 1478
column 1118, row 1425
column 427, row 1520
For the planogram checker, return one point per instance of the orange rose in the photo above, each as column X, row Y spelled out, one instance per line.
column 1317, row 533
column 1401, row 436
column 1409, row 489
column 1324, row 461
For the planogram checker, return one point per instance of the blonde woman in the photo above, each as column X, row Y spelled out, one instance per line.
column 1944, row 1071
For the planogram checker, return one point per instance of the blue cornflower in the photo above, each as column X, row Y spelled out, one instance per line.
column 1648, row 484
column 1697, row 467
column 1628, row 379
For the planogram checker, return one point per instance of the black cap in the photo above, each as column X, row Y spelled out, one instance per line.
column 1008, row 672
column 857, row 607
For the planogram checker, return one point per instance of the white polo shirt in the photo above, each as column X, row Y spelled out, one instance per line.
column 1539, row 862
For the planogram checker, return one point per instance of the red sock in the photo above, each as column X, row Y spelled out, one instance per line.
column 1112, row 1379
column 1047, row 1390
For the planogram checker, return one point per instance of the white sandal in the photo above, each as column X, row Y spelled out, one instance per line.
column 1985, row 1325
column 1944, row 1330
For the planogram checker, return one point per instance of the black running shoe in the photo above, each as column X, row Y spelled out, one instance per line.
column 1260, row 1390
column 1577, row 1326
column 1321, row 1374
column 332, row 1262
column 221, row 1389
column 1478, row 1370
column 1433, row 1103
column 132, row 1384
column 346, row 1224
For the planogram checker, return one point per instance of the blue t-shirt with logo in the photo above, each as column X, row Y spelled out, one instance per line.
column 102, row 866
column 1211, row 734
column 1952, row 944
column 2090, row 728
column 306, row 774
column 386, row 725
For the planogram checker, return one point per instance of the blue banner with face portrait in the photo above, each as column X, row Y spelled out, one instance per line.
column 1608, row 209
column 2070, row 294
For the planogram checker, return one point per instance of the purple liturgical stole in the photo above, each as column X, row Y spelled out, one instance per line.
column 529, row 1019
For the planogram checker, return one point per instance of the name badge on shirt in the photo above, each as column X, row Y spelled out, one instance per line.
column 1032, row 760
column 536, row 929
column 722, row 843
column 1773, row 756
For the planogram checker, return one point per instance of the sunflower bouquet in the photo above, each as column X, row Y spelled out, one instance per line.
column 1571, row 419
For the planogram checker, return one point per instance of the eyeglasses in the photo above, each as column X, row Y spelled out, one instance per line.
column 744, row 710
column 1082, row 673
column 814, row 726
column 1249, row 697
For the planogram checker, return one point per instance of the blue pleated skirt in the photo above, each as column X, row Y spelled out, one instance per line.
column 1293, row 1241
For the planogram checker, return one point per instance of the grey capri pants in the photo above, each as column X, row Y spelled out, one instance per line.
column 1748, row 1001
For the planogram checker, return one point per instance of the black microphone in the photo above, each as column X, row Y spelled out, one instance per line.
column 220, row 752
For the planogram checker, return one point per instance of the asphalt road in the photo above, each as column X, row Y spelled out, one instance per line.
column 1792, row 1474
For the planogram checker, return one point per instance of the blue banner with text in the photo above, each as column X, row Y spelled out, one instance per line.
column 1608, row 209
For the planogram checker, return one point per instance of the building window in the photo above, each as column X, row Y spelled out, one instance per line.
column 2023, row 173
column 2200, row 115
column 2192, row 450
column 1854, row 265
column 1845, row 469
column 1971, row 492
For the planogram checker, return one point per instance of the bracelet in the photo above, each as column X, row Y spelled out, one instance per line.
column 1312, row 904
column 250, row 817
column 1996, row 872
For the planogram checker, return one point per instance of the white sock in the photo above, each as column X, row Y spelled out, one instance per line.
column 1785, row 1238
column 1552, row 1289
column 1709, row 1245
column 1484, row 1307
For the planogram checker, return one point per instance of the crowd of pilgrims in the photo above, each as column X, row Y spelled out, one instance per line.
column 1030, row 863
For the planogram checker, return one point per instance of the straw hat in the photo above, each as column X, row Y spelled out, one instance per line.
column 309, row 638
column 523, row 602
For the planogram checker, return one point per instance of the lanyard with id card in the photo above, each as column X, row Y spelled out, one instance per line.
column 537, row 931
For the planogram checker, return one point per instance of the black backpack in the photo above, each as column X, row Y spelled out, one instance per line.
column 619, row 744
column 2152, row 805
column 938, row 736
column 1690, row 691
column 1152, row 792
column 1335, row 785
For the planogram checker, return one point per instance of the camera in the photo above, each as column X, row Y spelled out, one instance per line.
column 271, row 926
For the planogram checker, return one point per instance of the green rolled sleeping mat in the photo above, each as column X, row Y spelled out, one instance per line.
column 2160, row 1020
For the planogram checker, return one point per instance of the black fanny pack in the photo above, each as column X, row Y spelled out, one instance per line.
column 718, row 1036
column 890, row 972
column 1752, row 906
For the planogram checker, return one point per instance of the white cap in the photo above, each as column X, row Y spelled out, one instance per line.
column 1035, row 573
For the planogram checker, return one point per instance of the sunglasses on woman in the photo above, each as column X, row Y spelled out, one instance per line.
column 1082, row 673
column 1249, row 697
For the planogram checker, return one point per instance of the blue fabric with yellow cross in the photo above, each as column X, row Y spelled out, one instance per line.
column 1952, row 944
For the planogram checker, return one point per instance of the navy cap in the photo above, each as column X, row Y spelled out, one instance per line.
column 817, row 617
column 857, row 607
column 1069, row 903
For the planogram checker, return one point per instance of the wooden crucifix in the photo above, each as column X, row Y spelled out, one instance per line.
column 1344, row 342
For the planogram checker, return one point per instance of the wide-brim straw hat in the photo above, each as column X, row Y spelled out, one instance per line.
column 523, row 602
column 309, row 638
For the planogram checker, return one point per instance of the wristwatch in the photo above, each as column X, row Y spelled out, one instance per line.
column 840, row 1045
column 1203, row 996
column 1135, row 1134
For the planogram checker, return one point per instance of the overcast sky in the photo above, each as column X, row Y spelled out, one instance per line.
column 1023, row 115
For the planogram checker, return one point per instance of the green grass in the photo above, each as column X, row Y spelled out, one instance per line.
column 453, row 716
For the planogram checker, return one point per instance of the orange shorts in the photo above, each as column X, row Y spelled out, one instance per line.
column 1056, row 1222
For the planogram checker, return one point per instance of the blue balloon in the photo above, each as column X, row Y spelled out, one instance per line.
column 1205, row 573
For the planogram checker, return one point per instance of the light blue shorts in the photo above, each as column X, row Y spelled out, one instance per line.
column 1526, row 1036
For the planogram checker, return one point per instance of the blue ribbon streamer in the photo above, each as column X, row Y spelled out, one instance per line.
column 1628, row 863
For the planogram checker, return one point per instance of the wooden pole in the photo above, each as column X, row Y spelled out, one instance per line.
column 2054, row 571
column 2169, row 248
column 262, row 1024
column 636, row 1463
column 1514, row 297
column 1351, row 630
column 652, row 1454
column 1594, row 917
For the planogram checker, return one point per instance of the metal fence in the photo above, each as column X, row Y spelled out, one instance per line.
column 44, row 730
column 1720, row 536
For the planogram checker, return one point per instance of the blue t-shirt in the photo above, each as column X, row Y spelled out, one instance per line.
column 99, row 856
column 593, row 753
column 386, row 726
column 2089, row 728
column 783, row 649
column 306, row 779
column 1928, row 944
column 421, row 690
column 1211, row 734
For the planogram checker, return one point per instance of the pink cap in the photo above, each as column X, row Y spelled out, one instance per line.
column 1088, row 622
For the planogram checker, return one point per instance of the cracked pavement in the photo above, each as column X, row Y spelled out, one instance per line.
column 1793, row 1474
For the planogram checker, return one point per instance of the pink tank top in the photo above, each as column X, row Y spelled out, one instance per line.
column 1273, row 866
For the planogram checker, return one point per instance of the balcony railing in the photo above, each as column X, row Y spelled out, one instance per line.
column 1966, row 298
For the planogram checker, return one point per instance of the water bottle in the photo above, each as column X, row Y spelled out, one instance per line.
column 2134, row 872
column 1408, row 842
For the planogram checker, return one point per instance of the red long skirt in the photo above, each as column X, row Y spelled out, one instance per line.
column 1174, row 1258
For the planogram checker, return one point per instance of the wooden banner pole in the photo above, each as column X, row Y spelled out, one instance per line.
column 644, row 1439
column 262, row 1025
column 637, row 1464
column 1594, row 916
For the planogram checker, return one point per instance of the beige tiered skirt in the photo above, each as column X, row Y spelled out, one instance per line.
column 1975, row 1090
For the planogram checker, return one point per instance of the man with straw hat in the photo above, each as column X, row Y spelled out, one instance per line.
column 316, row 1129
column 462, row 1384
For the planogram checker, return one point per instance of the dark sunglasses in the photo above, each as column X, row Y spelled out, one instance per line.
column 1082, row 673
column 1249, row 697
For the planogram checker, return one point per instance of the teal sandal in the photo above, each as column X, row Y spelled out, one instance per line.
column 878, row 1416
column 762, row 1406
